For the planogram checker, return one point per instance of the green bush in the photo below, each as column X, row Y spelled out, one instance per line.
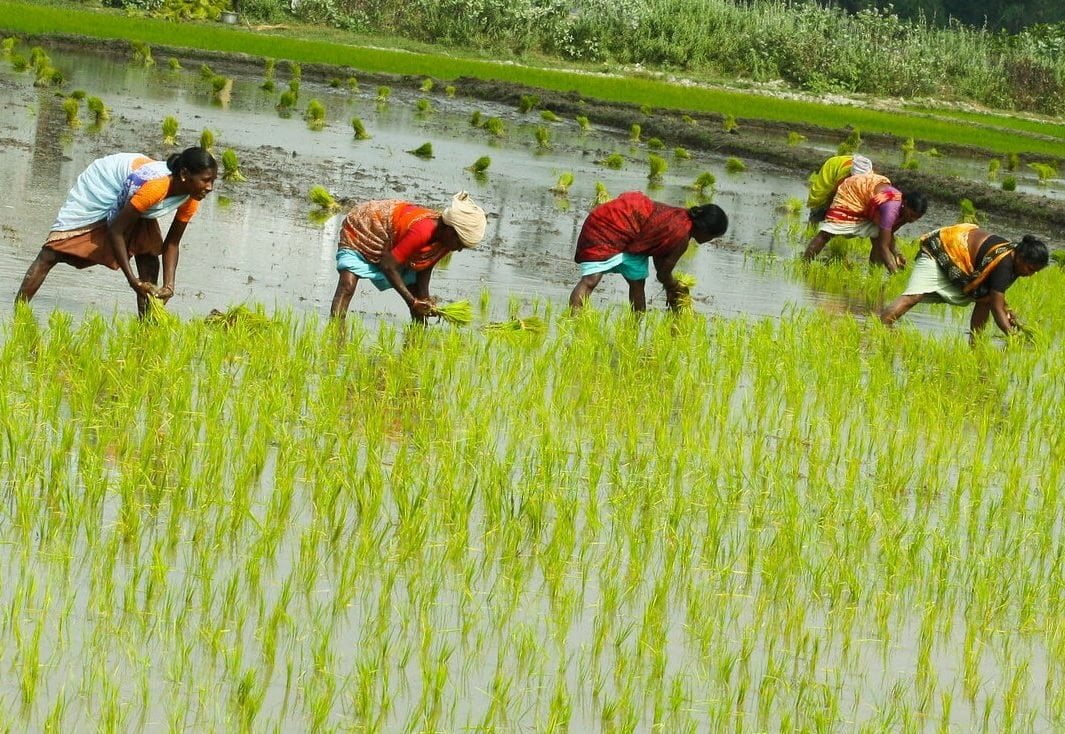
column 263, row 10
column 177, row 10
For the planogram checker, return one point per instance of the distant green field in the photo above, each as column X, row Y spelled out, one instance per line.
column 25, row 18
column 1004, row 121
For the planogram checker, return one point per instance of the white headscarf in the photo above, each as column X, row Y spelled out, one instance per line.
column 467, row 219
column 860, row 165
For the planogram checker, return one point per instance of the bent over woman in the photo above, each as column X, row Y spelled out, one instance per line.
column 867, row 205
column 396, row 244
column 111, row 215
column 963, row 264
column 621, row 235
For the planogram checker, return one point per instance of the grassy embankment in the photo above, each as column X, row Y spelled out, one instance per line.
column 995, row 134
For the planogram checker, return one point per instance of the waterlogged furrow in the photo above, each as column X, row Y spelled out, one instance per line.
column 684, row 523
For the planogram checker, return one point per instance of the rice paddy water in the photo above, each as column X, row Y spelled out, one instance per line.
column 789, row 519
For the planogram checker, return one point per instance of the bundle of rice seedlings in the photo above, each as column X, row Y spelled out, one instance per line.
column 315, row 115
column 851, row 143
column 206, row 72
column 475, row 118
column 156, row 313
column 423, row 106
column 634, row 132
column 173, row 64
column 583, row 123
column 795, row 138
column 222, row 89
column 457, row 312
column 170, row 130
column 735, row 165
column 480, row 165
column 614, row 160
column 527, row 102
column 681, row 154
column 142, row 53
column 39, row 58
column 231, row 166
column 72, row 109
column 450, row 90
column 729, row 124
column 495, row 126
column 286, row 102
column 48, row 76
column 602, row 196
column 703, row 181
column 320, row 196
column 686, row 281
column 98, row 109
column 655, row 143
column 526, row 324
column 425, row 150
column 548, row 116
column 561, row 187
column 207, row 139
column 383, row 93
column 1044, row 171
column 239, row 316
column 360, row 129
column 657, row 166
column 427, row 85
column 543, row 137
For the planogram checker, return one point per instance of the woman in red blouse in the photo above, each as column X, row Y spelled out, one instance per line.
column 396, row 244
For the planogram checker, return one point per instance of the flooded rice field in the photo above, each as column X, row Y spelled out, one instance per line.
column 255, row 242
column 794, row 523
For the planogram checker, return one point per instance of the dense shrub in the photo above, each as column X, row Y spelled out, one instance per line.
column 264, row 10
column 806, row 45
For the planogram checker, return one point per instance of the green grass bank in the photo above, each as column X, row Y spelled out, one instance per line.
column 983, row 131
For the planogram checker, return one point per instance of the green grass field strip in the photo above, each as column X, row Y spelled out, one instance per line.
column 999, row 121
column 25, row 18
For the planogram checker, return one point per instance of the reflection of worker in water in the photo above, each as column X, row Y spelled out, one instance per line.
column 622, row 234
column 396, row 244
column 824, row 182
column 867, row 205
column 963, row 264
column 111, row 215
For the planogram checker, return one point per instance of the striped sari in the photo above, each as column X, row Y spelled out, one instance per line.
column 949, row 247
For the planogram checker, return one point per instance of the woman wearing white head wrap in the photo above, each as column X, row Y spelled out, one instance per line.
column 466, row 218
column 825, row 182
column 396, row 244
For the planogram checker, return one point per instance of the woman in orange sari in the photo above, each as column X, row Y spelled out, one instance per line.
column 111, row 216
column 396, row 244
column 867, row 205
column 963, row 264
